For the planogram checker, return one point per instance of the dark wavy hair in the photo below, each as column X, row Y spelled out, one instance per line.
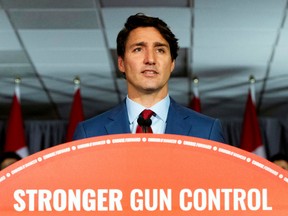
column 141, row 20
column 5, row 155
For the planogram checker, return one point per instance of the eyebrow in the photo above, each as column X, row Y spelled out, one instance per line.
column 156, row 44
column 159, row 44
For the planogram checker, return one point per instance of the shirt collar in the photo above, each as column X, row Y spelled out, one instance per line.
column 161, row 109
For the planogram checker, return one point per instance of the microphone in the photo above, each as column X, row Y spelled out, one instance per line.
column 144, row 122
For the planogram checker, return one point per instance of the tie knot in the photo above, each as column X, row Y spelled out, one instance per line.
column 144, row 122
column 146, row 114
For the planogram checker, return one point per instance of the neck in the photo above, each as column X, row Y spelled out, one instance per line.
column 147, row 100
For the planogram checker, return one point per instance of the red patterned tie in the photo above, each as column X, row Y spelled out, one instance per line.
column 144, row 122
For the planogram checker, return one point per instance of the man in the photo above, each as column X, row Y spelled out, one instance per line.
column 280, row 160
column 147, row 50
column 8, row 158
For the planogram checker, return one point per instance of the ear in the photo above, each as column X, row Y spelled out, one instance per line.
column 121, row 66
column 173, row 65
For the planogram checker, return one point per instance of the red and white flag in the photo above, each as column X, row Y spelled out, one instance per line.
column 251, row 134
column 15, row 134
column 195, row 103
column 76, row 114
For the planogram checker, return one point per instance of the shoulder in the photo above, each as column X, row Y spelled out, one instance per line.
column 97, row 126
column 189, row 113
column 194, row 123
column 105, row 116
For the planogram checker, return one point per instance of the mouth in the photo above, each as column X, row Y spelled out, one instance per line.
column 149, row 72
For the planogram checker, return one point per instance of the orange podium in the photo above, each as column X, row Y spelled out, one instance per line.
column 143, row 174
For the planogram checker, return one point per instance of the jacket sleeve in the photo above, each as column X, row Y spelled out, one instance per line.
column 79, row 132
column 217, row 132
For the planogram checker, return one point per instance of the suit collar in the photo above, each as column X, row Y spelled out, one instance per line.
column 176, row 120
column 118, row 120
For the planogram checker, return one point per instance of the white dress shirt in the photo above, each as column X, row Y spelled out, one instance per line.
column 158, row 121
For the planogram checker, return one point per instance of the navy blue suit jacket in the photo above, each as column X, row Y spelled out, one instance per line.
column 180, row 120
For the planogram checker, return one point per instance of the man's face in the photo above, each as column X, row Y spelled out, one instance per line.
column 282, row 163
column 147, row 62
column 7, row 162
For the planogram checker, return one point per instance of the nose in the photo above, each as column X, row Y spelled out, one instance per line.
column 149, row 57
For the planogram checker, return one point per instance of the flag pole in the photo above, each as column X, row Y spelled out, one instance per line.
column 252, row 81
column 17, row 82
column 76, row 82
column 251, row 139
column 195, row 86
column 15, row 135
column 195, row 103
column 76, row 112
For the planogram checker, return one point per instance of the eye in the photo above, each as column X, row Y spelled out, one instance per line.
column 137, row 49
column 161, row 50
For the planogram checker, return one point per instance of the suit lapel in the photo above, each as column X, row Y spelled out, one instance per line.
column 118, row 120
column 177, row 120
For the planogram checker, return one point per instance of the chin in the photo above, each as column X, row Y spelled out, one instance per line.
column 150, row 89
